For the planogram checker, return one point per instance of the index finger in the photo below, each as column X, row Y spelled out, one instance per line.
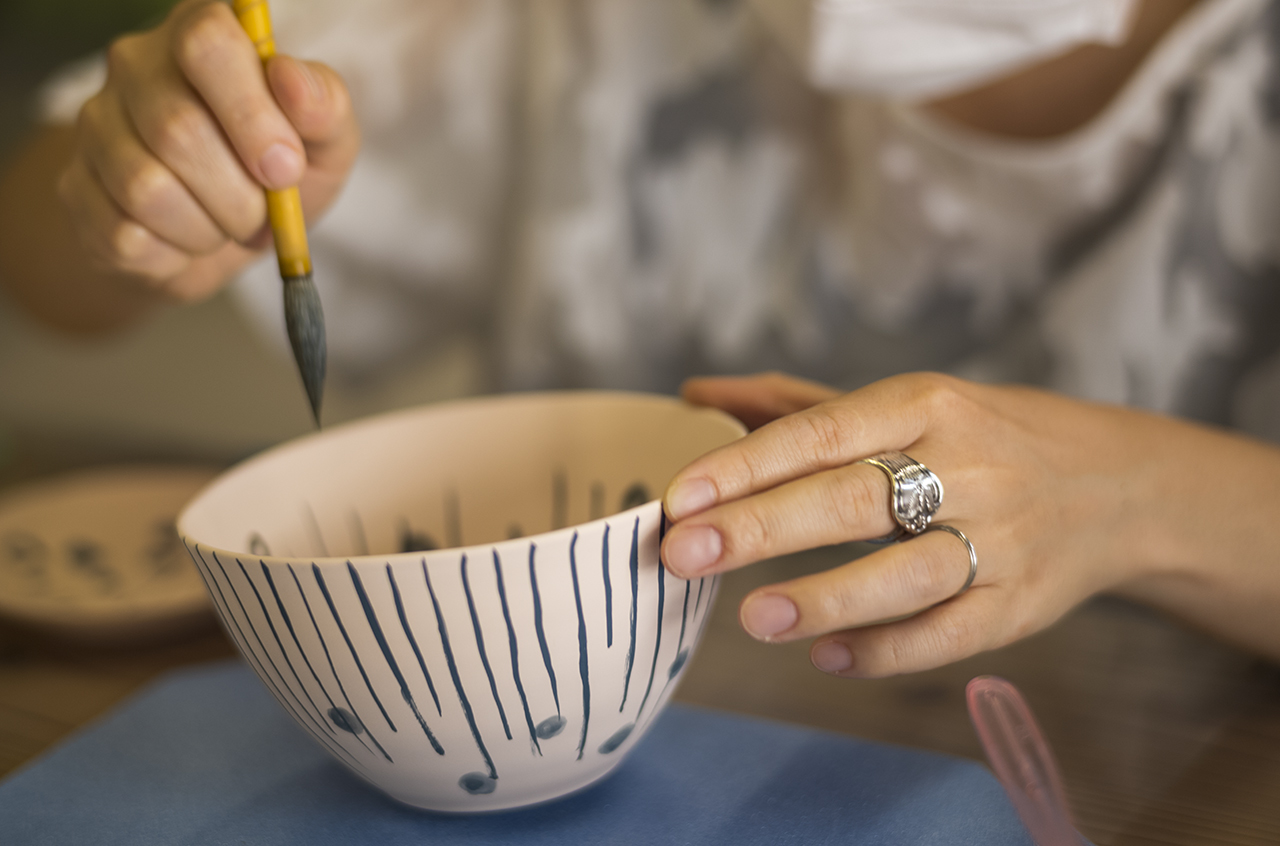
column 886, row 415
column 222, row 65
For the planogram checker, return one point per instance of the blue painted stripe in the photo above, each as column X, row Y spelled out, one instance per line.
column 684, row 617
column 315, row 530
column 452, row 519
column 333, row 609
column 597, row 501
column 608, row 587
column 559, row 500
column 453, row 672
column 657, row 641
column 707, row 614
column 635, row 591
column 413, row 641
column 701, row 625
column 515, row 653
column 280, row 691
column 242, row 642
column 271, row 583
column 253, row 629
column 332, row 669
column 537, row 624
column 357, row 533
column 280, row 645
column 376, row 628
column 701, row 584
column 582, row 646
column 484, row 656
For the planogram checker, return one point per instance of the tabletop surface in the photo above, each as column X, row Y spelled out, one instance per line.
column 1164, row 736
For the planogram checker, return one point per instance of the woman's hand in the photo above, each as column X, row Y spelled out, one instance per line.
column 1060, row 498
column 165, row 187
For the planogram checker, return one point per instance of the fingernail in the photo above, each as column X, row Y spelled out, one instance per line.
column 313, row 81
column 831, row 657
column 281, row 166
column 692, row 549
column 767, row 616
column 690, row 497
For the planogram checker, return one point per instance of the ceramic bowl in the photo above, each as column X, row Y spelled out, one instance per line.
column 463, row 603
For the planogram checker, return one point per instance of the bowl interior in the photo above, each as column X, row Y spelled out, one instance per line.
column 455, row 474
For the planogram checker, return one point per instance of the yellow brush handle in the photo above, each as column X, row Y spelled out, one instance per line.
column 283, row 207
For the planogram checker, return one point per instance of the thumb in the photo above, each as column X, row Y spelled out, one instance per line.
column 756, row 400
column 315, row 100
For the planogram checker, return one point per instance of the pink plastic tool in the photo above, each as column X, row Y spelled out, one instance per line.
column 1017, row 751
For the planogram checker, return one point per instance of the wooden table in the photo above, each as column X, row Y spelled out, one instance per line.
column 1163, row 735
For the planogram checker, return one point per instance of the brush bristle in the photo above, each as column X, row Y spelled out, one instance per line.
column 304, row 320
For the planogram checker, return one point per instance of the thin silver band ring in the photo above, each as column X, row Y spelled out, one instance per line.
column 973, row 557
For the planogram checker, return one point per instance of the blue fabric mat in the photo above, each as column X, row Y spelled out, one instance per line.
column 205, row 756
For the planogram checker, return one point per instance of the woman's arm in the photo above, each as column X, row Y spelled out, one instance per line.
column 1062, row 499
column 48, row 271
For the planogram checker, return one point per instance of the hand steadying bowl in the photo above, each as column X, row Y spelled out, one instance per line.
column 515, row 665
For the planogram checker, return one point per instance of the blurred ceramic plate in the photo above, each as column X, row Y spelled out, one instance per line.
column 95, row 555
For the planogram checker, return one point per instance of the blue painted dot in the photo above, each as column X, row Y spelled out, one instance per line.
column 258, row 545
column 619, row 737
column 345, row 720
column 551, row 726
column 635, row 495
column 478, row 784
column 678, row 664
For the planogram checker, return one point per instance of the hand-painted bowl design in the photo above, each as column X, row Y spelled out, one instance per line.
column 517, row 665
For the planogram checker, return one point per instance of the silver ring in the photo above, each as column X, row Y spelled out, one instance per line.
column 973, row 556
column 916, row 492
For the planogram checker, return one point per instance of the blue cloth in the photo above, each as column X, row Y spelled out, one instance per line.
column 206, row 757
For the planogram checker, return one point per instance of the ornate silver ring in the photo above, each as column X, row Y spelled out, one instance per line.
column 973, row 556
column 916, row 492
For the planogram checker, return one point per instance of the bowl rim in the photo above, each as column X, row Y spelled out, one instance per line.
column 228, row 476
column 430, row 556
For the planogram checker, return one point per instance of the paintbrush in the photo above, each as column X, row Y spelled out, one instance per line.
column 303, row 317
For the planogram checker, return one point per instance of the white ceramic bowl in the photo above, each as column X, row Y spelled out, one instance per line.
column 438, row 597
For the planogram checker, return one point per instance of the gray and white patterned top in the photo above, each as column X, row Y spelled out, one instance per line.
column 626, row 192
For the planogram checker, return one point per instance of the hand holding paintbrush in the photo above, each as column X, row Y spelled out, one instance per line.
column 163, row 183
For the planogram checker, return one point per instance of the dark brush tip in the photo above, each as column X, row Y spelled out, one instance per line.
column 304, row 320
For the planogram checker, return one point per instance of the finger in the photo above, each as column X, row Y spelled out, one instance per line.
column 834, row 506
column 891, row 583
column 315, row 100
column 952, row 631
column 179, row 130
column 112, row 237
column 222, row 65
column 756, row 400
column 890, row 414
column 140, row 184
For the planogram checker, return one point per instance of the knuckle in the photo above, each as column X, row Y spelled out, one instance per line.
column 749, row 534
column 858, row 502
column 822, row 434
column 203, row 35
column 956, row 636
column 838, row 605
column 936, row 568
column 128, row 242
column 179, row 131
column 121, row 55
column 144, row 188
column 939, row 393
column 246, row 213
